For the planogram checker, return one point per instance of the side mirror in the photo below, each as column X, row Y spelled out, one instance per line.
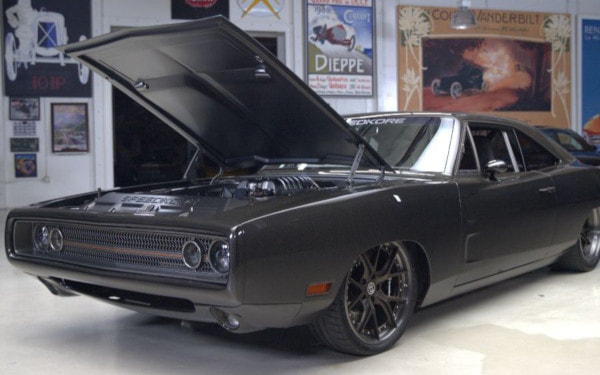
column 495, row 166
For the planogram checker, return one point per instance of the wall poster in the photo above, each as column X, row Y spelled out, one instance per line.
column 32, row 66
column 340, row 40
column 25, row 165
column 70, row 127
column 516, row 64
column 589, row 37
column 193, row 9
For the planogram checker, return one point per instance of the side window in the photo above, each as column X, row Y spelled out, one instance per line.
column 536, row 157
column 468, row 162
column 491, row 144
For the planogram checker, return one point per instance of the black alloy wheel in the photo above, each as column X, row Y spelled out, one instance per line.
column 374, row 305
column 585, row 254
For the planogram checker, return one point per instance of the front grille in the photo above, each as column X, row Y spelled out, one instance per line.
column 137, row 250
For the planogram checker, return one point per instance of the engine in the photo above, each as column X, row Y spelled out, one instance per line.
column 260, row 188
column 226, row 193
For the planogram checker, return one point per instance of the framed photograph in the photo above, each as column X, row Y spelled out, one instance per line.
column 25, row 165
column 70, row 127
column 24, row 109
column 24, row 145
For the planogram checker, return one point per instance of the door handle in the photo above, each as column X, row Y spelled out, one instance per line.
column 548, row 190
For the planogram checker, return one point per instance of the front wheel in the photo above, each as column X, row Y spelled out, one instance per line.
column 585, row 254
column 351, row 43
column 456, row 90
column 374, row 304
column 435, row 86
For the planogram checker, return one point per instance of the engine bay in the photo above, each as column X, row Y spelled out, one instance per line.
column 223, row 194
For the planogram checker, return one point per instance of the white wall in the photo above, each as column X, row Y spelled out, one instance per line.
column 60, row 175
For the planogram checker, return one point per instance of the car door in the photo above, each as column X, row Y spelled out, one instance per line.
column 508, row 217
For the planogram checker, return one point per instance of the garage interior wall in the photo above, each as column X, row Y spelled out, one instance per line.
column 60, row 175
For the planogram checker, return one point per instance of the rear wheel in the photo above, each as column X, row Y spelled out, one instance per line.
column 83, row 71
column 584, row 255
column 374, row 305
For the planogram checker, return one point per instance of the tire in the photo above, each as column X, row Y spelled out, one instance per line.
column 584, row 255
column 435, row 86
column 352, row 43
column 484, row 86
column 10, row 56
column 374, row 304
column 456, row 90
column 83, row 71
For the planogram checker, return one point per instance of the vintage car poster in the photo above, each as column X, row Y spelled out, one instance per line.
column 25, row 165
column 32, row 66
column 194, row 9
column 590, row 78
column 517, row 64
column 339, row 36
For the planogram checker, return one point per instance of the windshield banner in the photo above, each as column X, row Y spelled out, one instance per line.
column 340, row 47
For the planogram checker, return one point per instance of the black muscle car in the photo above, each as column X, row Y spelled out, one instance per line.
column 311, row 221
column 468, row 77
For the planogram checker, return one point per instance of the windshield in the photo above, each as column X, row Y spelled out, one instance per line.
column 417, row 143
column 571, row 141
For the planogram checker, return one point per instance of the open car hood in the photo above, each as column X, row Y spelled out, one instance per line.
column 225, row 92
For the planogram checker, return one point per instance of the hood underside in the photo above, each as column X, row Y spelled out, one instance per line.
column 224, row 92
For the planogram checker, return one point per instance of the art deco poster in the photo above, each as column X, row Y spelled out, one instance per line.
column 193, row 9
column 32, row 66
column 590, row 78
column 516, row 64
column 340, row 47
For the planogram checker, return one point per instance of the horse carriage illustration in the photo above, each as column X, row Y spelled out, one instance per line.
column 35, row 36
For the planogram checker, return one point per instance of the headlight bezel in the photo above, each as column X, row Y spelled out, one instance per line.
column 222, row 250
column 43, row 243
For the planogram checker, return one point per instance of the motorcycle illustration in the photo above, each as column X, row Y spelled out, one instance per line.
column 334, row 35
column 35, row 36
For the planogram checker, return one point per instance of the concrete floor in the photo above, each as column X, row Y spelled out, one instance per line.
column 542, row 323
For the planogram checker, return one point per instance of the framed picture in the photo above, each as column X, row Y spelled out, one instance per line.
column 24, row 145
column 588, row 76
column 25, row 165
column 340, row 38
column 24, row 109
column 70, row 127
column 31, row 31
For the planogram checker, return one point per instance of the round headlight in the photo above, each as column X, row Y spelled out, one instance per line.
column 56, row 239
column 219, row 256
column 192, row 254
column 41, row 237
